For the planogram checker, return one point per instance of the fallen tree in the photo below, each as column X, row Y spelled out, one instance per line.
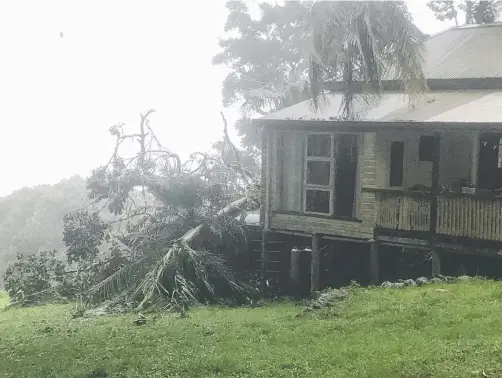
column 175, row 229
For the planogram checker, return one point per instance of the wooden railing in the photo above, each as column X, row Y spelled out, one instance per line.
column 460, row 215
column 398, row 210
column 470, row 216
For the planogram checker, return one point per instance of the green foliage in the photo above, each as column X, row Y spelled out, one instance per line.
column 444, row 10
column 31, row 219
column 267, row 57
column 411, row 332
column 367, row 42
column 476, row 12
column 43, row 278
column 36, row 279
column 83, row 233
column 113, row 184
column 251, row 138
column 291, row 50
column 167, row 238
column 175, row 243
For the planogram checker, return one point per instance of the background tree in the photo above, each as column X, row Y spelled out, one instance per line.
column 31, row 219
column 476, row 12
column 272, row 64
column 268, row 58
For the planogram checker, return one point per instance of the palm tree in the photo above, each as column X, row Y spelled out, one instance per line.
column 364, row 42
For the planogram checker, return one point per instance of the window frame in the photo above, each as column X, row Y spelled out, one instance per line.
column 330, row 187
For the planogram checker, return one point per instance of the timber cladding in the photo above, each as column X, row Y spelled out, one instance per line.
column 361, row 227
column 317, row 225
column 368, row 179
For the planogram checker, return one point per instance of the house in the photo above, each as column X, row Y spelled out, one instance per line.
column 422, row 173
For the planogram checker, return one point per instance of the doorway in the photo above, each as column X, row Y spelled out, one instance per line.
column 490, row 162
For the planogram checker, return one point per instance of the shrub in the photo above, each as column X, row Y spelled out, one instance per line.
column 37, row 279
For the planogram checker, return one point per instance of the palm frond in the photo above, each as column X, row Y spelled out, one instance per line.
column 364, row 42
column 116, row 283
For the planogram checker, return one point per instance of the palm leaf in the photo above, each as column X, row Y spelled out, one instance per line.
column 365, row 42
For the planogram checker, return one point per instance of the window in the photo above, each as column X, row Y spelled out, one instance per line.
column 318, row 174
column 396, row 163
column 426, row 148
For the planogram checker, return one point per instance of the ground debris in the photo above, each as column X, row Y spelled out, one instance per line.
column 140, row 320
column 324, row 299
column 420, row 281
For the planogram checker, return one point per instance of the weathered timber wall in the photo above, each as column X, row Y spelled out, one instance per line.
column 292, row 178
column 368, row 179
column 318, row 225
column 455, row 161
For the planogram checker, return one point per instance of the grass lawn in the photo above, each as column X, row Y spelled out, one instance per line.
column 455, row 331
column 4, row 299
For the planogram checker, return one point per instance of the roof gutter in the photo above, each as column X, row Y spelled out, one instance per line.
column 368, row 126
column 482, row 83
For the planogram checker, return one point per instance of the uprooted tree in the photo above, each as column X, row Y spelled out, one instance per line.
column 174, row 238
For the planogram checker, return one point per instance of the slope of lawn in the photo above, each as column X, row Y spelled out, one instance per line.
column 4, row 299
column 450, row 330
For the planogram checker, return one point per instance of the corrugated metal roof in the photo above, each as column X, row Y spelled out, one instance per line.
column 471, row 51
column 464, row 52
column 449, row 106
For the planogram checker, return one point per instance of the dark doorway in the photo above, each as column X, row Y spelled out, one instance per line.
column 346, row 174
column 490, row 162
column 396, row 163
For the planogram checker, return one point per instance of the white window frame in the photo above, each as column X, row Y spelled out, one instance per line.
column 330, row 187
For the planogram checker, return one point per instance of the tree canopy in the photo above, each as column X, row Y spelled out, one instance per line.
column 268, row 59
column 154, row 228
column 476, row 12
column 31, row 219
column 288, row 53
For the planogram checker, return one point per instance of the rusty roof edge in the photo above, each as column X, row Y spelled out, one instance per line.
column 471, row 83
column 370, row 125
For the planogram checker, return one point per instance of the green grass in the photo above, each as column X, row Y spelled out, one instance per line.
column 4, row 299
column 414, row 332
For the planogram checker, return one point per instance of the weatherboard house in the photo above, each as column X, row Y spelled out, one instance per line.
column 421, row 177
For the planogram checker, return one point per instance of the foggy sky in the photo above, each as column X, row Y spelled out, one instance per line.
column 59, row 96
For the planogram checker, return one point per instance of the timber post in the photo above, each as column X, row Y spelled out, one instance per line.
column 267, row 179
column 436, row 262
column 264, row 260
column 314, row 263
column 374, row 263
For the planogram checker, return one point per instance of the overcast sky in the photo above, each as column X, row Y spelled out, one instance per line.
column 59, row 96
